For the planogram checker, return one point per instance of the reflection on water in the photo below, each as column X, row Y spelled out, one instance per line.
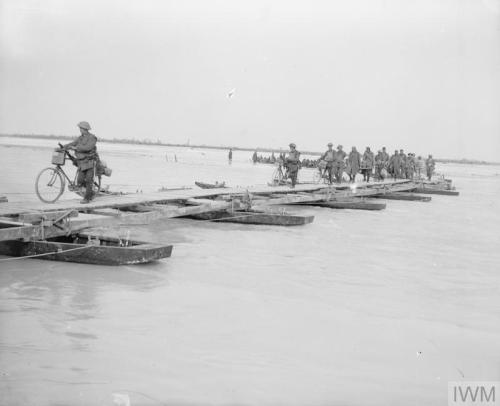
column 355, row 308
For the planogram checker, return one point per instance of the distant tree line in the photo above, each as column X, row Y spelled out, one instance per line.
column 148, row 141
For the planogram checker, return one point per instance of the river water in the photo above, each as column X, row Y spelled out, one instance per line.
column 357, row 308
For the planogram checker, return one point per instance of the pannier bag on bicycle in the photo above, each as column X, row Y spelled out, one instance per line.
column 58, row 157
column 102, row 169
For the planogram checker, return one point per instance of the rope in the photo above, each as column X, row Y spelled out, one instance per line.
column 44, row 254
column 18, row 193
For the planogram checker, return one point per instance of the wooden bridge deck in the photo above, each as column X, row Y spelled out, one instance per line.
column 33, row 220
column 125, row 200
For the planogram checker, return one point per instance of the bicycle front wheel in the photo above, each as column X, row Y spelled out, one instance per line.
column 49, row 185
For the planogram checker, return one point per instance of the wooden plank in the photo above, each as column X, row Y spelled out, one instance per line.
column 404, row 196
column 107, row 212
column 430, row 191
column 10, row 222
column 353, row 204
column 35, row 218
column 255, row 217
column 22, row 232
column 38, row 232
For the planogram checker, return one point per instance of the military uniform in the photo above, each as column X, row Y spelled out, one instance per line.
column 86, row 158
column 402, row 159
column 379, row 165
column 430, row 164
column 410, row 166
column 339, row 165
column 367, row 165
column 292, row 164
column 353, row 164
column 329, row 157
column 420, row 166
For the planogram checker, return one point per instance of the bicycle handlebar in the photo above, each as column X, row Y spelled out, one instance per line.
column 71, row 157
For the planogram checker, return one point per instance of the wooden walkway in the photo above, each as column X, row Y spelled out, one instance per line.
column 34, row 220
column 127, row 200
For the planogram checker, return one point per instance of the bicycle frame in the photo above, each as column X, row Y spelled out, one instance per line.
column 75, row 163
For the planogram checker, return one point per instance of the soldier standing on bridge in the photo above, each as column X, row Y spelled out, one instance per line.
column 430, row 164
column 292, row 163
column 86, row 157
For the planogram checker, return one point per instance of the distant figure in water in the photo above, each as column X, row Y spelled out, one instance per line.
column 175, row 157
column 254, row 157
column 430, row 164
column 230, row 155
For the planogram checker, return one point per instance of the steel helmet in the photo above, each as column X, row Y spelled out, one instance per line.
column 84, row 125
column 330, row 144
column 292, row 145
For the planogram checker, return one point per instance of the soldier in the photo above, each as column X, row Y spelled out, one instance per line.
column 353, row 164
column 379, row 165
column 86, row 156
column 410, row 166
column 402, row 158
column 385, row 156
column 329, row 157
column 338, row 164
column 230, row 155
column 430, row 164
column 395, row 165
column 420, row 166
column 367, row 164
column 292, row 163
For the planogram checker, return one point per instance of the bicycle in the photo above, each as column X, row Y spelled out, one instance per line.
column 321, row 174
column 51, row 181
column 279, row 177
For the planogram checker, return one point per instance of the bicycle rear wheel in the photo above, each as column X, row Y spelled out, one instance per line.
column 49, row 185
column 96, row 187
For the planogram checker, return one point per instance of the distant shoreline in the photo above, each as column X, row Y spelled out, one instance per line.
column 202, row 146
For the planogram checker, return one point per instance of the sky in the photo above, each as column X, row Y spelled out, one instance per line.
column 420, row 75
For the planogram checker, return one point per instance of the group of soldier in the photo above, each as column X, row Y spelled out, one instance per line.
column 273, row 159
column 333, row 163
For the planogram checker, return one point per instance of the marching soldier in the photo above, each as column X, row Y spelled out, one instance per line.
column 338, row 164
column 353, row 164
column 329, row 157
column 367, row 164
